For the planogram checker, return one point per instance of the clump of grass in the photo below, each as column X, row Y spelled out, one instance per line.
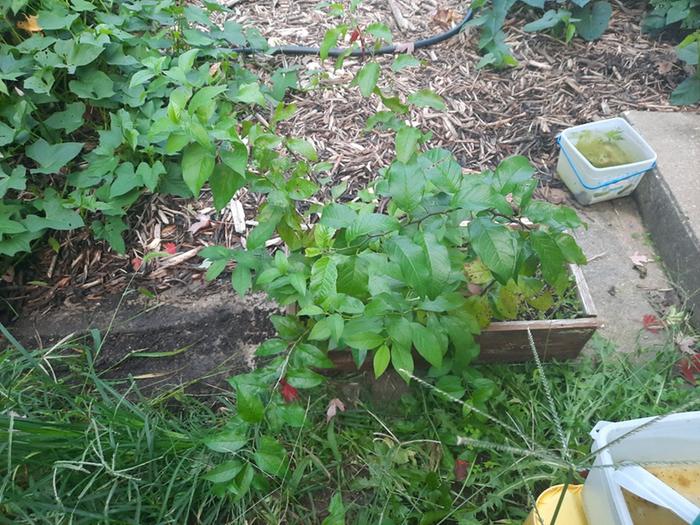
column 76, row 448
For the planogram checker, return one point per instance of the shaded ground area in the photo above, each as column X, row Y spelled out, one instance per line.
column 180, row 338
column 491, row 114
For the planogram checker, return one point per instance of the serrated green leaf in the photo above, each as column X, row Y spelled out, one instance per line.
column 570, row 249
column 512, row 172
column 249, row 407
column 324, row 276
column 412, row 262
column 405, row 185
column 406, row 143
column 379, row 31
column 330, row 39
column 496, row 246
column 551, row 257
column 367, row 78
column 404, row 61
column 371, row 224
column 338, row 216
column 427, row 344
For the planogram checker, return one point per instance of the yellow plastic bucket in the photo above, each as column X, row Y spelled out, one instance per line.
column 571, row 512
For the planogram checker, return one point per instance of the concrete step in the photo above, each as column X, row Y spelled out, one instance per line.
column 669, row 197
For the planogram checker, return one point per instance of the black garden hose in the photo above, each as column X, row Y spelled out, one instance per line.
column 338, row 51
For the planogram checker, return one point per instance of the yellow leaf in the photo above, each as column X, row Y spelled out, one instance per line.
column 31, row 24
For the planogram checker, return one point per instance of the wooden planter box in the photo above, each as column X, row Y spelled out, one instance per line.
column 507, row 341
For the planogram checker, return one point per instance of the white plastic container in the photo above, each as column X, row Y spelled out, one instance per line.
column 590, row 184
column 673, row 438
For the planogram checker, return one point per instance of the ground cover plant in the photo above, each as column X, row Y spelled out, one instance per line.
column 74, row 449
column 103, row 102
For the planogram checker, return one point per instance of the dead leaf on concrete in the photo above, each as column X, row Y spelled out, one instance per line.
column 334, row 405
column 639, row 263
column 686, row 344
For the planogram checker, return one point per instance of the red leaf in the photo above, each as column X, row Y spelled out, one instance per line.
column 136, row 263
column 652, row 323
column 170, row 248
column 354, row 35
column 689, row 367
column 461, row 468
column 288, row 392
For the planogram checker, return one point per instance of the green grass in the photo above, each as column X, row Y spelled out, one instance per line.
column 73, row 449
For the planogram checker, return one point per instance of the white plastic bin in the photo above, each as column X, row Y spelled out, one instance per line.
column 590, row 184
column 673, row 438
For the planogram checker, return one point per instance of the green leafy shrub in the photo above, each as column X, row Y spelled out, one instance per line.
column 104, row 101
column 566, row 19
column 688, row 91
column 664, row 13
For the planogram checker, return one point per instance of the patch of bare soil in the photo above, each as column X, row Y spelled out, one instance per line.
column 490, row 115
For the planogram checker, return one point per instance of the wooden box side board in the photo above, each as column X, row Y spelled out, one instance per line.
column 507, row 341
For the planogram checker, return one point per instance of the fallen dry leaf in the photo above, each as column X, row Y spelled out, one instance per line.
column 9, row 275
column 686, row 344
column 404, row 47
column 664, row 67
column 639, row 263
column 445, row 17
column 334, row 405
column 214, row 69
column 639, row 259
column 553, row 195
column 30, row 24
column 203, row 221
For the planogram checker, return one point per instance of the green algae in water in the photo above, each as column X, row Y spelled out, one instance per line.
column 603, row 150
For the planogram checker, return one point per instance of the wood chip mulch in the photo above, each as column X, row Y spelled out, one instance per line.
column 490, row 115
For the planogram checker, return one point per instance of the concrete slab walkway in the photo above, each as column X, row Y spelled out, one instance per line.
column 669, row 197
column 622, row 295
